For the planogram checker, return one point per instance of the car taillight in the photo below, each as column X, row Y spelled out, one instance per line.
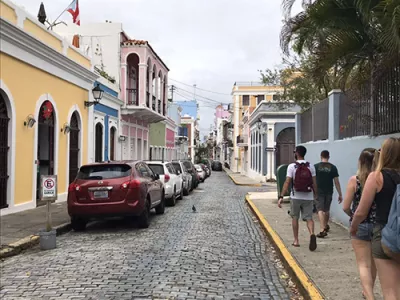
column 131, row 184
column 167, row 178
column 73, row 187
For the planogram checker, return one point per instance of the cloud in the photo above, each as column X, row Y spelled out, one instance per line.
column 212, row 43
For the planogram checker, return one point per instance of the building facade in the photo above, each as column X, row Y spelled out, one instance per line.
column 246, row 97
column 139, row 72
column 44, row 84
column 271, row 130
column 190, row 129
column 104, row 142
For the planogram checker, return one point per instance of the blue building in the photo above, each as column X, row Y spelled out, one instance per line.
column 190, row 108
column 106, row 125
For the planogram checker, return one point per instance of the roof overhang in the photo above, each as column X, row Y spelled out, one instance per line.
column 143, row 113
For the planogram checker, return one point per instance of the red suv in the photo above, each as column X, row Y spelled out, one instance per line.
column 126, row 189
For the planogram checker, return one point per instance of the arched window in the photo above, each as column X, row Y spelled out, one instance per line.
column 74, row 147
column 99, row 143
column 4, row 151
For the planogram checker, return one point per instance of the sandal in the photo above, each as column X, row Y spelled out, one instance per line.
column 322, row 234
column 313, row 242
column 295, row 245
column 327, row 228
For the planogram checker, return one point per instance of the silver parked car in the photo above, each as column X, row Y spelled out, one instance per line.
column 186, row 176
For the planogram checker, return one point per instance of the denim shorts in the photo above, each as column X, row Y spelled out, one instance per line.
column 364, row 232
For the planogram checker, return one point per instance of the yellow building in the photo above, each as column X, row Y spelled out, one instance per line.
column 246, row 97
column 44, row 83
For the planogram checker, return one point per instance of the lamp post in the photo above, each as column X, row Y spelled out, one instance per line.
column 97, row 95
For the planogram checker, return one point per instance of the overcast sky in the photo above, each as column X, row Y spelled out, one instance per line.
column 211, row 43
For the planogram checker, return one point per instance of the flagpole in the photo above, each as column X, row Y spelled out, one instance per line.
column 51, row 25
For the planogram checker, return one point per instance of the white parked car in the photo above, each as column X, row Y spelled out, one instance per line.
column 173, row 183
column 186, row 176
column 201, row 172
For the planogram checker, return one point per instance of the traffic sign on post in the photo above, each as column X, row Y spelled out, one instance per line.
column 48, row 187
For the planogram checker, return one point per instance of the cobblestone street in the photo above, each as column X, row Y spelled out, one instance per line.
column 217, row 253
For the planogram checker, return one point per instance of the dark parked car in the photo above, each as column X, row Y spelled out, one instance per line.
column 192, row 171
column 216, row 166
column 126, row 189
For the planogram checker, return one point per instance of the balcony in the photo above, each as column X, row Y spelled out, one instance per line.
column 153, row 104
column 242, row 141
column 132, row 97
column 159, row 106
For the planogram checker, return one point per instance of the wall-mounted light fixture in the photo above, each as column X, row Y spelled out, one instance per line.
column 29, row 121
column 97, row 95
column 66, row 128
column 259, row 123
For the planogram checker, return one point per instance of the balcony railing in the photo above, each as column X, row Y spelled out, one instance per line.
column 153, row 106
column 148, row 99
column 132, row 97
column 159, row 106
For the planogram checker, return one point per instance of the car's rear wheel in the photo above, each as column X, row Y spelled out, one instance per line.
column 78, row 224
column 186, row 191
column 160, row 208
column 144, row 218
column 172, row 200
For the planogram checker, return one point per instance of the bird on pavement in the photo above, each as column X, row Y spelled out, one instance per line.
column 193, row 208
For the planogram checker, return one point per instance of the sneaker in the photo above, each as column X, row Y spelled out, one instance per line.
column 313, row 242
column 322, row 234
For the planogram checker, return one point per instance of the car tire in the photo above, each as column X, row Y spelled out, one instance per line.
column 144, row 218
column 78, row 224
column 172, row 200
column 160, row 208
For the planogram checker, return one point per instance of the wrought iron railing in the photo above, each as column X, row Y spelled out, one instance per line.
column 132, row 97
column 148, row 99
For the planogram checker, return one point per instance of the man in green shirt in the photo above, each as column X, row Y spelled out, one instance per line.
column 327, row 174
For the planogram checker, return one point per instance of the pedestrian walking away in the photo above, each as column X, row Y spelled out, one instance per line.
column 362, row 241
column 380, row 188
column 327, row 174
column 301, row 176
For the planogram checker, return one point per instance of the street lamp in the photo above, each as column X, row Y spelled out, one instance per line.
column 97, row 95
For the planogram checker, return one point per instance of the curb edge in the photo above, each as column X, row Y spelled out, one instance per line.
column 303, row 279
column 243, row 184
column 29, row 241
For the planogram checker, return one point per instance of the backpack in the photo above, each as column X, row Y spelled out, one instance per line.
column 391, row 232
column 303, row 181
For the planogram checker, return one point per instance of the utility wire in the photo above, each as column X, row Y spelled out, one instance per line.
column 169, row 78
column 206, row 98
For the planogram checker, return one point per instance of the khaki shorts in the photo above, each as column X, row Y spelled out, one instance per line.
column 305, row 207
column 377, row 250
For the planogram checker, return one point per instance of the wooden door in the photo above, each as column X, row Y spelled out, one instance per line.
column 4, row 149
column 285, row 145
column 74, row 137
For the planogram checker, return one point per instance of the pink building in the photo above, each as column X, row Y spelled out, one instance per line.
column 144, row 92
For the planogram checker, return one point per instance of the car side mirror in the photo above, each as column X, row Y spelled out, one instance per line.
column 156, row 177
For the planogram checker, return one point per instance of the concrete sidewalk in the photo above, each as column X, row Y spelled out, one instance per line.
column 19, row 231
column 331, row 271
column 240, row 179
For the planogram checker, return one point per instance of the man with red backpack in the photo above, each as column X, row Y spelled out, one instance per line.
column 301, row 176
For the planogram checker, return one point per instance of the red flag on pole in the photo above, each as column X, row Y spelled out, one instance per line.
column 73, row 9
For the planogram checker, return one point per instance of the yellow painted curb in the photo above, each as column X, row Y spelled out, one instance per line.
column 303, row 279
column 243, row 184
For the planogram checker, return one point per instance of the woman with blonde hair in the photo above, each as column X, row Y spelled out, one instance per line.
column 361, row 242
column 380, row 188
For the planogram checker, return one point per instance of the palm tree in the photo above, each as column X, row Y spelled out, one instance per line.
column 348, row 36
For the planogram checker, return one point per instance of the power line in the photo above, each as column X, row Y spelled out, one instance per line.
column 205, row 98
column 169, row 78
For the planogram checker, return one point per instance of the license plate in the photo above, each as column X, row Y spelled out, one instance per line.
column 100, row 194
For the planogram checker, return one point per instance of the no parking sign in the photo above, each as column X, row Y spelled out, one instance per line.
column 48, row 187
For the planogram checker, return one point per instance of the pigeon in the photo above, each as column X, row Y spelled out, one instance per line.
column 193, row 208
